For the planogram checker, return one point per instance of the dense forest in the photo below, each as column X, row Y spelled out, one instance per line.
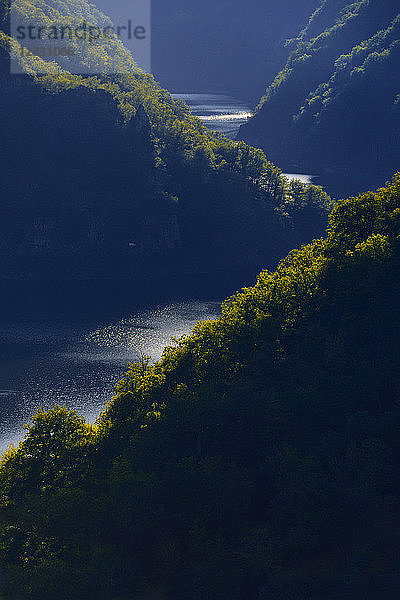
column 335, row 105
column 257, row 459
column 137, row 183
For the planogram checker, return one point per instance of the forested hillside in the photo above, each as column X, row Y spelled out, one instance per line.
column 258, row 459
column 335, row 105
column 105, row 175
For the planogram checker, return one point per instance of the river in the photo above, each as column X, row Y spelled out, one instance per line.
column 217, row 111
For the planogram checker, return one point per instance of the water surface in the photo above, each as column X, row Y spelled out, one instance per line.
column 218, row 112
column 303, row 177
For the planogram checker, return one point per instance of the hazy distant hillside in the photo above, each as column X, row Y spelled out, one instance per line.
column 336, row 103
column 230, row 46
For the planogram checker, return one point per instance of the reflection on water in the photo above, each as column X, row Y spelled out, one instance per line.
column 304, row 178
column 218, row 112
column 151, row 331
column 77, row 364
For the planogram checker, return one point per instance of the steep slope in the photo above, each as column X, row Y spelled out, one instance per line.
column 258, row 459
column 109, row 191
column 335, row 105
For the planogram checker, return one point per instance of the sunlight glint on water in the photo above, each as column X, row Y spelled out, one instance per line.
column 78, row 364
column 220, row 113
